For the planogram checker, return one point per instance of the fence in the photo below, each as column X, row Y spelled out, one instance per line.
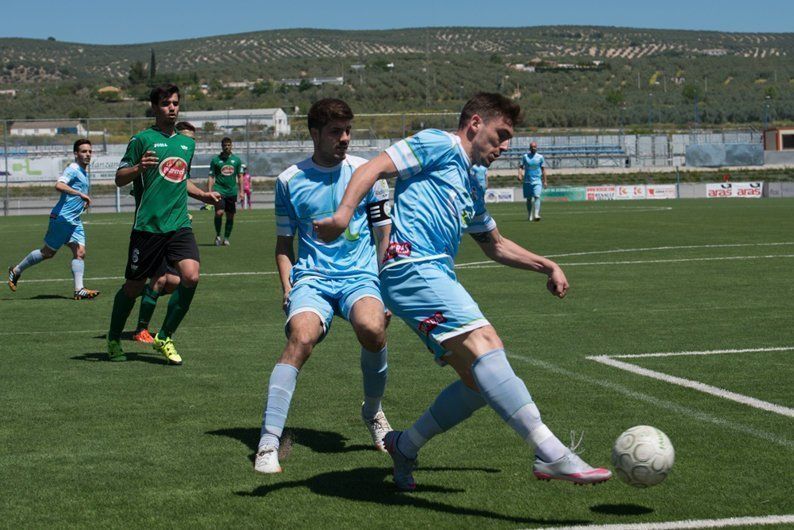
column 36, row 151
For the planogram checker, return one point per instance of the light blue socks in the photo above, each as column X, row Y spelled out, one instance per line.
column 509, row 397
column 31, row 259
column 453, row 405
column 279, row 395
column 374, row 370
column 78, row 268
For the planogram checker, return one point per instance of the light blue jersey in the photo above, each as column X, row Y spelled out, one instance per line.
column 306, row 192
column 70, row 207
column 481, row 174
column 533, row 168
column 436, row 199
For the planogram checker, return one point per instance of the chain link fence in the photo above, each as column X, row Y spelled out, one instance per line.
column 35, row 152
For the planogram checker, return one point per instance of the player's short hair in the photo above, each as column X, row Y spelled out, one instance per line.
column 226, row 139
column 327, row 110
column 78, row 143
column 162, row 92
column 185, row 126
column 490, row 105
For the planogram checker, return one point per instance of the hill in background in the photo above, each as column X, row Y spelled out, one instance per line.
column 562, row 75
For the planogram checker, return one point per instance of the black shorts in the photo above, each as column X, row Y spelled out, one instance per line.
column 149, row 253
column 228, row 204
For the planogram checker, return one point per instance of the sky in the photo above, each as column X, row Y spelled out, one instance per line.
column 108, row 22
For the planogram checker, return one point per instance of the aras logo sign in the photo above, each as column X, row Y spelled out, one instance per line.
column 432, row 322
column 397, row 249
column 227, row 171
column 173, row 168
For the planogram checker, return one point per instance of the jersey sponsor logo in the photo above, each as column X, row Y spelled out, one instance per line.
column 227, row 171
column 160, row 145
column 397, row 249
column 350, row 236
column 173, row 168
column 432, row 322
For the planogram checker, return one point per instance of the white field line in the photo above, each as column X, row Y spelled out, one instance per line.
column 764, row 520
column 595, row 211
column 647, row 261
column 646, row 249
column 492, row 265
column 706, row 352
column 680, row 410
column 203, row 275
column 696, row 385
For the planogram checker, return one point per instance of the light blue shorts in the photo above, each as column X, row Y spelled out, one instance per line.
column 326, row 297
column 428, row 297
column 532, row 189
column 61, row 232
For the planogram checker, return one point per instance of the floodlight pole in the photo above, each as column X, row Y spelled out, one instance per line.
column 7, row 171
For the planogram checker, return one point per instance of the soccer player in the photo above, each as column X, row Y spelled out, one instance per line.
column 66, row 227
column 437, row 199
column 158, row 160
column 226, row 175
column 166, row 280
column 534, row 178
column 245, row 202
column 338, row 277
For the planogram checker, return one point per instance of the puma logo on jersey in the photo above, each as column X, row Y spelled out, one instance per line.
column 160, row 145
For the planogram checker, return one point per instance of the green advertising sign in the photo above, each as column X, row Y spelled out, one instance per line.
column 564, row 194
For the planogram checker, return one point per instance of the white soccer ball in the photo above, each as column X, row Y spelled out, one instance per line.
column 643, row 456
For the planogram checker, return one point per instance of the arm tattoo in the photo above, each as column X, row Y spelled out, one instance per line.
column 481, row 237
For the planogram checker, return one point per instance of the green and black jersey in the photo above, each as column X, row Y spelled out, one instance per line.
column 225, row 171
column 161, row 192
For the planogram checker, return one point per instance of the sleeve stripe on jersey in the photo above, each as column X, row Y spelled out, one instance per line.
column 481, row 223
column 404, row 158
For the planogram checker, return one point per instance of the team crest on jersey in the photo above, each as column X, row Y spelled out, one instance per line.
column 227, row 171
column 397, row 249
column 173, row 168
column 432, row 322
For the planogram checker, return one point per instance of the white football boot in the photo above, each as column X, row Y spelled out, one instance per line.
column 267, row 460
column 570, row 468
column 377, row 427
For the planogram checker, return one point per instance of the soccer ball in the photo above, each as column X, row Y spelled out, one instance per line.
column 643, row 456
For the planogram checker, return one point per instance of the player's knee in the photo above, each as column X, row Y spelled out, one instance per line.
column 300, row 345
column 80, row 253
column 372, row 334
column 47, row 252
column 158, row 284
column 190, row 279
column 170, row 283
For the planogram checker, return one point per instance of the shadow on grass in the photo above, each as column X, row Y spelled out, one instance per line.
column 369, row 485
column 131, row 357
column 621, row 509
column 125, row 335
column 50, row 297
column 317, row 441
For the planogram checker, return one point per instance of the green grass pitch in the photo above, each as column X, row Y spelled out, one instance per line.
column 88, row 443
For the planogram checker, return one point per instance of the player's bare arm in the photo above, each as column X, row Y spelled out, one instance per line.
column 361, row 182
column 505, row 251
column 382, row 234
column 210, row 197
column 65, row 188
column 125, row 175
column 285, row 258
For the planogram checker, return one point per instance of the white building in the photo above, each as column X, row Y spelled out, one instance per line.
column 239, row 118
column 47, row 128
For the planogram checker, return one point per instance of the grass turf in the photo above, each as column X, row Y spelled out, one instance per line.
column 141, row 444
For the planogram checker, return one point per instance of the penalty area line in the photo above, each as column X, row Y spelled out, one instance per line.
column 610, row 360
column 764, row 520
